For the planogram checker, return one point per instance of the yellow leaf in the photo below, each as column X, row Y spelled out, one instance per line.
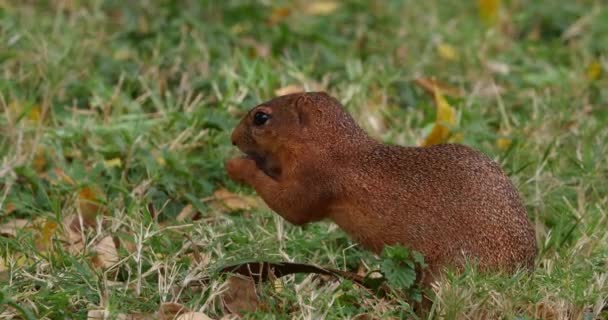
column 321, row 7
column 34, row 113
column 488, row 10
column 89, row 205
column 278, row 14
column 116, row 162
column 503, row 143
column 447, row 52
column 289, row 89
column 456, row 137
column 39, row 161
column 594, row 70
column 43, row 240
column 446, row 116
column 430, row 85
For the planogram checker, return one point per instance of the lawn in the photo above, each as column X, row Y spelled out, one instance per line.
column 115, row 121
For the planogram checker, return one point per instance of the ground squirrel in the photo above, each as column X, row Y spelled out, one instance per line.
column 309, row 160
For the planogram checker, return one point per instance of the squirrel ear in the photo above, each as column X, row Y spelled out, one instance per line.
column 302, row 105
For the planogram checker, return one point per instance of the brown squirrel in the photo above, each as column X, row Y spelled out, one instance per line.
column 309, row 160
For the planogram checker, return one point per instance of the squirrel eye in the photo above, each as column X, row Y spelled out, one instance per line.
column 260, row 118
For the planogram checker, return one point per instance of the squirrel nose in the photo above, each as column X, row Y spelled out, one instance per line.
column 233, row 142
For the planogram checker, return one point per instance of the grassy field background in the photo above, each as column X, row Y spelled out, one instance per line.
column 121, row 112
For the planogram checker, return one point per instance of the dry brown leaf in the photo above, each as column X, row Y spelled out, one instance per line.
column 364, row 316
column 135, row 316
column 61, row 177
column 241, row 295
column 233, row 202
column 97, row 314
column 72, row 237
column 289, row 89
column 258, row 49
column 186, row 213
column 107, row 255
column 171, row 310
column 10, row 228
column 498, row 67
column 9, row 208
column 193, row 316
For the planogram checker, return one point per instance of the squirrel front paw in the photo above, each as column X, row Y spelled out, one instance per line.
column 240, row 169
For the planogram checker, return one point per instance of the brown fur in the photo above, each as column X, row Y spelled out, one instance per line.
column 312, row 161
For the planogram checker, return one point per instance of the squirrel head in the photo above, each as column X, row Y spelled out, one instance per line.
column 293, row 124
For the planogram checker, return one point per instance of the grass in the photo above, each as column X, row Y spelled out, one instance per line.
column 130, row 105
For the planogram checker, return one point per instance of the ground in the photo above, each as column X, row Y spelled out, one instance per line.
column 121, row 112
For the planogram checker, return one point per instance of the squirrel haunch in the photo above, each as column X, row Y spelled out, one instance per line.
column 309, row 160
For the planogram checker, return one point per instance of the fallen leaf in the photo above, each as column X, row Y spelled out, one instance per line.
column 594, row 70
column 193, row 316
column 318, row 8
column 97, row 314
column 71, row 236
column 34, row 114
column 135, row 316
column 61, row 177
column 430, row 85
column 106, row 253
column 498, row 67
column 488, row 10
column 111, row 163
column 446, row 116
column 447, row 52
column 188, row 212
column 487, row 89
column 503, row 143
column 257, row 49
column 171, row 310
column 289, row 89
column 278, row 14
column 10, row 228
column 39, row 161
column 9, row 208
column 89, row 205
column 43, row 241
column 122, row 54
column 241, row 295
column 233, row 201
